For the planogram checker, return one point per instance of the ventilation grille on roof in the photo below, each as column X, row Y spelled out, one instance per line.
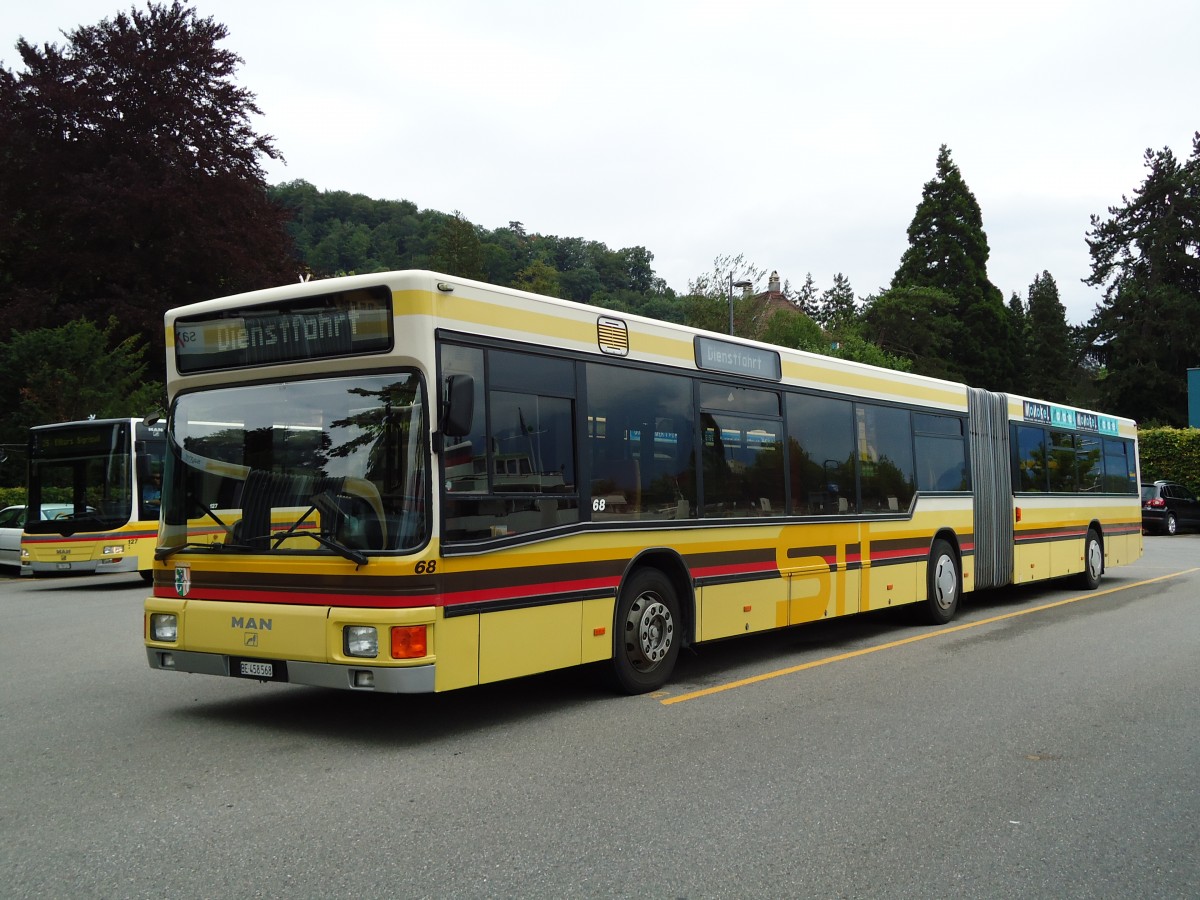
column 613, row 336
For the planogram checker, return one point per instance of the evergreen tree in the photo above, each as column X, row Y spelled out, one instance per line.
column 1018, row 323
column 837, row 311
column 948, row 250
column 808, row 298
column 1146, row 257
column 1051, row 350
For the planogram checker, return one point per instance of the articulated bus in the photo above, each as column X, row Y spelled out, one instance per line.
column 411, row 482
column 109, row 471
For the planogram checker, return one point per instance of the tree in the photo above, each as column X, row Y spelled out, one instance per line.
column 129, row 177
column 1018, row 323
column 539, row 278
column 915, row 323
column 459, row 251
column 948, row 250
column 71, row 372
column 708, row 297
column 792, row 329
column 836, row 310
column 807, row 299
column 1051, row 350
column 1146, row 258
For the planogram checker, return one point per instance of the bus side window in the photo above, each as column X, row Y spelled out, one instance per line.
column 821, row 455
column 1029, row 459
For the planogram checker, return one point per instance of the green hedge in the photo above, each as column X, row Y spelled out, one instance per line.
column 15, row 496
column 12, row 496
column 1171, row 454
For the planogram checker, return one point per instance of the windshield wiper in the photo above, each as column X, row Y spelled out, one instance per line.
column 207, row 510
column 167, row 552
column 328, row 508
column 355, row 556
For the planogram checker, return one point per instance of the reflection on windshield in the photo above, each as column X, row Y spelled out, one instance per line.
column 324, row 466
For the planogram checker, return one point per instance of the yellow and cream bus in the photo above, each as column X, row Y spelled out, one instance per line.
column 410, row 482
column 108, row 472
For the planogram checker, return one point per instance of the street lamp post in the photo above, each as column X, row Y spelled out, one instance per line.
column 732, row 284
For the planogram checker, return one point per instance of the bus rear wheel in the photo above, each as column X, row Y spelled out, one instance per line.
column 646, row 632
column 942, row 584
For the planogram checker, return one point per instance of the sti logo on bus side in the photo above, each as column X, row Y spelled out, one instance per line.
column 250, row 624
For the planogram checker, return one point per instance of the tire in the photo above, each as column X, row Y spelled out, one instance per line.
column 1093, row 562
column 943, row 585
column 1171, row 525
column 646, row 632
column 147, row 575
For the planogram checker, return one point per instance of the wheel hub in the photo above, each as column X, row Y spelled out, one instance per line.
column 650, row 632
column 1095, row 559
column 945, row 582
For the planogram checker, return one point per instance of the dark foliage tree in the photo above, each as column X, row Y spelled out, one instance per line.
column 129, row 177
column 1146, row 257
column 948, row 250
column 1051, row 349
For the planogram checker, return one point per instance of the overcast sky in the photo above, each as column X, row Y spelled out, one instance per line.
column 797, row 134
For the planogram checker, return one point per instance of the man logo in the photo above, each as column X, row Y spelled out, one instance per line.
column 251, row 639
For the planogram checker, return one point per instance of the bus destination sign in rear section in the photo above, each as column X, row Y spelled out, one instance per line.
column 737, row 359
column 347, row 323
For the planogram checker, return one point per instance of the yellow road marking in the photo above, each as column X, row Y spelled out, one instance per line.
column 941, row 632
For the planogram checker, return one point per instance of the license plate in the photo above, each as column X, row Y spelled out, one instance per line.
column 63, row 565
column 256, row 669
column 262, row 669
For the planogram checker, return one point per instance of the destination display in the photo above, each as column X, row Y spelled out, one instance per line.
column 76, row 443
column 347, row 323
column 1062, row 417
column 737, row 359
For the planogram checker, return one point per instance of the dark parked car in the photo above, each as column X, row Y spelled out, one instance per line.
column 1167, row 507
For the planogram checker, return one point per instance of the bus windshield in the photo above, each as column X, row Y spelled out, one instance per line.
column 324, row 466
column 90, row 466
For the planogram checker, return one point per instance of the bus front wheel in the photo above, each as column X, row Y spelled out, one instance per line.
column 1093, row 562
column 942, row 584
column 646, row 632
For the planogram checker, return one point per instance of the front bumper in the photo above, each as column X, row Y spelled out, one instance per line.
column 383, row 679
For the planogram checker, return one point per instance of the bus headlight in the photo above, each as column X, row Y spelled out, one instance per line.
column 164, row 627
column 113, row 550
column 361, row 640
